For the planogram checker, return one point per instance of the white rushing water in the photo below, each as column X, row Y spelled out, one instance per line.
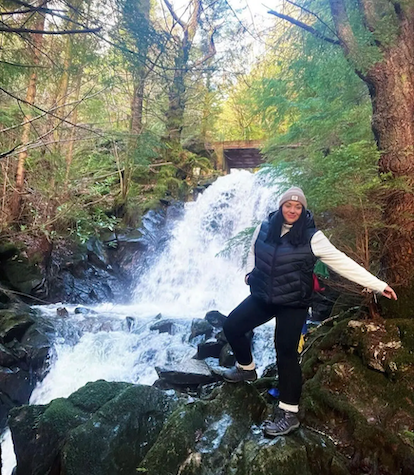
column 189, row 277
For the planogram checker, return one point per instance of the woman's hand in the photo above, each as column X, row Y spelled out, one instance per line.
column 389, row 293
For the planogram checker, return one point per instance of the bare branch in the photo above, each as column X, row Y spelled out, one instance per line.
column 313, row 14
column 23, row 65
column 304, row 26
column 175, row 16
column 211, row 51
column 48, row 32
column 49, row 113
column 9, row 152
column 61, row 106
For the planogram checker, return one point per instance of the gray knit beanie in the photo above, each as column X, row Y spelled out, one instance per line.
column 293, row 194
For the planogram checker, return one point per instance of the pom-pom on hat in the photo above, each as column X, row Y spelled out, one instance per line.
column 293, row 194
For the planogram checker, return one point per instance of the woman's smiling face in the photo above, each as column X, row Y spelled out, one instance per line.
column 291, row 211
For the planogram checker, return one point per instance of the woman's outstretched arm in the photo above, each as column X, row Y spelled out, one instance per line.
column 347, row 267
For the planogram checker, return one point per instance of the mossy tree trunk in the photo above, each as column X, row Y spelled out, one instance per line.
column 390, row 79
column 177, row 89
column 377, row 38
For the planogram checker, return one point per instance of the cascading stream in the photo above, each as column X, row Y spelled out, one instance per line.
column 189, row 277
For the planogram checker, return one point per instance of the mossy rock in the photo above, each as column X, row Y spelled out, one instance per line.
column 117, row 437
column 21, row 274
column 104, row 428
column 302, row 452
column 200, row 438
column 366, row 410
column 14, row 322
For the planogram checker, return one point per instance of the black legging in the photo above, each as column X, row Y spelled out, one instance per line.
column 252, row 313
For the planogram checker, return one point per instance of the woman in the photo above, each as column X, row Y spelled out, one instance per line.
column 286, row 246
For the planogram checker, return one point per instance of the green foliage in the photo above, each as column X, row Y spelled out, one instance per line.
column 240, row 243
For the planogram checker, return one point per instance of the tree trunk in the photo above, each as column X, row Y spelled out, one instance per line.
column 391, row 85
column 74, row 120
column 176, row 100
column 177, row 90
column 137, row 104
column 37, row 40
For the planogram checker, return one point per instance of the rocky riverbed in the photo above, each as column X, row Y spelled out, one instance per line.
column 357, row 412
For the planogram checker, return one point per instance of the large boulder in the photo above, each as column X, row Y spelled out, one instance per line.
column 360, row 391
column 102, row 429
column 25, row 342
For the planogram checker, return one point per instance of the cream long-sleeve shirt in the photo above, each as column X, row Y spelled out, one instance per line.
column 336, row 260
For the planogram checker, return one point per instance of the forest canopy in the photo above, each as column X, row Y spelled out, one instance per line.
column 108, row 107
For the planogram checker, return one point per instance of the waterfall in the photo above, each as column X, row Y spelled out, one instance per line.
column 188, row 277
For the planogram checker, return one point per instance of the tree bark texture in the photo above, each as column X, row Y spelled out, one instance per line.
column 177, row 90
column 140, row 72
column 37, row 41
column 391, row 86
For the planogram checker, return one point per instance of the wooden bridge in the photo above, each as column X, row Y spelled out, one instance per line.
column 237, row 154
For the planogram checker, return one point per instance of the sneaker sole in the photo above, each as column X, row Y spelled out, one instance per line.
column 287, row 431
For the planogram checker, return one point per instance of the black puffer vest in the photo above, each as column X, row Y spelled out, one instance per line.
column 283, row 274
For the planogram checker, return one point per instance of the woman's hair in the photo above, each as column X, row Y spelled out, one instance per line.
column 297, row 234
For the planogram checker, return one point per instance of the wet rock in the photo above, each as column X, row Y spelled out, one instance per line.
column 62, row 312
column 16, row 384
column 102, row 429
column 270, row 371
column 210, row 348
column 37, row 342
column 130, row 321
column 26, row 341
column 215, row 318
column 14, row 322
column 188, row 372
column 17, row 271
column 7, row 357
column 199, row 438
column 220, row 336
column 85, row 311
column 226, row 357
column 200, row 327
column 163, row 326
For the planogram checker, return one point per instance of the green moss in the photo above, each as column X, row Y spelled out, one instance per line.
column 61, row 416
column 176, row 440
column 94, row 395
column 363, row 402
column 292, row 459
column 402, row 308
column 406, row 330
column 241, row 401
column 333, row 336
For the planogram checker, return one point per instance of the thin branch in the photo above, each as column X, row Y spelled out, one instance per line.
column 41, row 9
column 49, row 113
column 304, row 26
column 48, row 32
column 23, row 65
column 9, row 152
column 313, row 14
column 67, row 104
column 211, row 52
column 175, row 16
